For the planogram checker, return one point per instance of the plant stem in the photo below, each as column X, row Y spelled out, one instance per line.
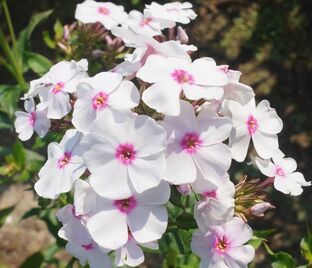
column 9, row 22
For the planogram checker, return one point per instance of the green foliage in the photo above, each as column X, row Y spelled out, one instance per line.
column 4, row 213
column 306, row 248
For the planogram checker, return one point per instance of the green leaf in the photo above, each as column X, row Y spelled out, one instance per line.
column 283, row 260
column 24, row 36
column 48, row 41
column 255, row 242
column 4, row 213
column 306, row 248
column 186, row 221
column 34, row 260
column 38, row 63
column 19, row 154
column 9, row 96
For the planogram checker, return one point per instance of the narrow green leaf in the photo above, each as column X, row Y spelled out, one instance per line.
column 19, row 154
column 48, row 41
column 34, row 260
column 4, row 213
column 38, row 63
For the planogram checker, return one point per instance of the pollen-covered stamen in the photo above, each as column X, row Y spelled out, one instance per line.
column 32, row 118
column 182, row 77
column 88, row 247
column 252, row 125
column 100, row 101
column 125, row 153
column 103, row 11
column 58, row 87
column 126, row 205
column 64, row 160
column 279, row 171
column 190, row 142
column 145, row 21
column 221, row 244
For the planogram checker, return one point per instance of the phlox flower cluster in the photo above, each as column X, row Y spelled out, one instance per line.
column 121, row 162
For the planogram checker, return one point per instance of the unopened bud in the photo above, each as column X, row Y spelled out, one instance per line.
column 258, row 210
column 182, row 36
column 184, row 189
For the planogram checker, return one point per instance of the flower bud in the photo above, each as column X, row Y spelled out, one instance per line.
column 182, row 36
column 184, row 189
column 258, row 210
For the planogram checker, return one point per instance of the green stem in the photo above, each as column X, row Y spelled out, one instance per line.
column 9, row 22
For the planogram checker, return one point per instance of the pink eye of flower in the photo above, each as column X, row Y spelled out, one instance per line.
column 100, row 101
column 279, row 171
column 125, row 153
column 126, row 205
column 32, row 118
column 88, row 246
column 252, row 125
column 64, row 160
column 103, row 11
column 212, row 194
column 190, row 142
column 182, row 77
column 58, row 87
column 221, row 245
column 145, row 21
column 224, row 68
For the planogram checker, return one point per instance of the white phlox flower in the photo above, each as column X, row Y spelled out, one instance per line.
column 283, row 169
column 54, row 87
column 198, row 79
column 195, row 145
column 63, row 167
column 260, row 124
column 33, row 120
column 107, row 13
column 223, row 246
column 141, row 214
column 170, row 14
column 142, row 24
column 217, row 204
column 104, row 92
column 125, row 153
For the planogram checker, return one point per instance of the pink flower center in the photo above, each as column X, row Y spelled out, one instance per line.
column 99, row 101
column 103, row 11
column 145, row 21
column 126, row 205
column 32, row 118
column 182, row 77
column 64, row 160
column 190, row 142
column 252, row 125
column 58, row 87
column 224, row 68
column 88, row 247
column 212, row 194
column 125, row 153
column 221, row 244
column 279, row 171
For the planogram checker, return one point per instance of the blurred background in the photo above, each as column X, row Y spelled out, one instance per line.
column 269, row 41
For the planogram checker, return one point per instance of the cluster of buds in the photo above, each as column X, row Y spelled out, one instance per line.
column 120, row 159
